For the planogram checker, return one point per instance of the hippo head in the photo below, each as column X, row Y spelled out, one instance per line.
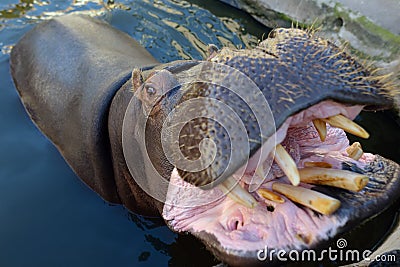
column 244, row 150
column 248, row 149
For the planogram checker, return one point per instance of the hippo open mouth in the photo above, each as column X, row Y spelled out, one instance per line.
column 311, row 186
column 286, row 219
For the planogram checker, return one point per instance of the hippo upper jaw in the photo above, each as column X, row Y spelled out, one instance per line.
column 298, row 92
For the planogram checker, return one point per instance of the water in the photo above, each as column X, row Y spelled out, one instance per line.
column 48, row 217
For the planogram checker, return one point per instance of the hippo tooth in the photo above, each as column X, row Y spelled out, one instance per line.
column 320, row 126
column 233, row 190
column 347, row 125
column 314, row 200
column 320, row 164
column 338, row 178
column 260, row 171
column 287, row 164
column 355, row 151
column 269, row 195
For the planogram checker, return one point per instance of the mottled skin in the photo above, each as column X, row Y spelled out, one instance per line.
column 76, row 76
column 291, row 67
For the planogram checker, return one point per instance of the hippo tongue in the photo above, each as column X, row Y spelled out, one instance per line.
column 285, row 225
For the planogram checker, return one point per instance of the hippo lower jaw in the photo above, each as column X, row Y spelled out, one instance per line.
column 236, row 233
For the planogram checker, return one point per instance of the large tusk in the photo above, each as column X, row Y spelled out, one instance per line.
column 287, row 164
column 269, row 195
column 320, row 126
column 312, row 199
column 355, row 151
column 338, row 178
column 347, row 125
column 237, row 193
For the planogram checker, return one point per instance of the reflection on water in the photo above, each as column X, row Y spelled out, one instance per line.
column 189, row 28
column 18, row 10
column 47, row 216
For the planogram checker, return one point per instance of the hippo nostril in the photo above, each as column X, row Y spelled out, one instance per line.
column 235, row 223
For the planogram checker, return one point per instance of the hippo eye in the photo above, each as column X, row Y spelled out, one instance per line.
column 150, row 90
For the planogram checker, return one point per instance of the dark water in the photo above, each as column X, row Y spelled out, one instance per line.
column 47, row 216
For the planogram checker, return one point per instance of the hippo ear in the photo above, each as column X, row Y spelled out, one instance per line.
column 212, row 50
column 137, row 79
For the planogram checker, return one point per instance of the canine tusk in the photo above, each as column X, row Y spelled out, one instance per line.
column 320, row 126
column 338, row 178
column 312, row 199
column 287, row 164
column 237, row 193
column 347, row 125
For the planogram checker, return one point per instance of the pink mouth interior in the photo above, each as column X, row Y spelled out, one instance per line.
column 276, row 225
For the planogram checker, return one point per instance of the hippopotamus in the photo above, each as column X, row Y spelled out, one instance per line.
column 261, row 131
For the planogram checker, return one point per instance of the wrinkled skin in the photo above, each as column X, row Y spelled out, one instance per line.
column 289, row 67
column 80, row 99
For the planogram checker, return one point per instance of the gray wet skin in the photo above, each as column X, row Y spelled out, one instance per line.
column 77, row 88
